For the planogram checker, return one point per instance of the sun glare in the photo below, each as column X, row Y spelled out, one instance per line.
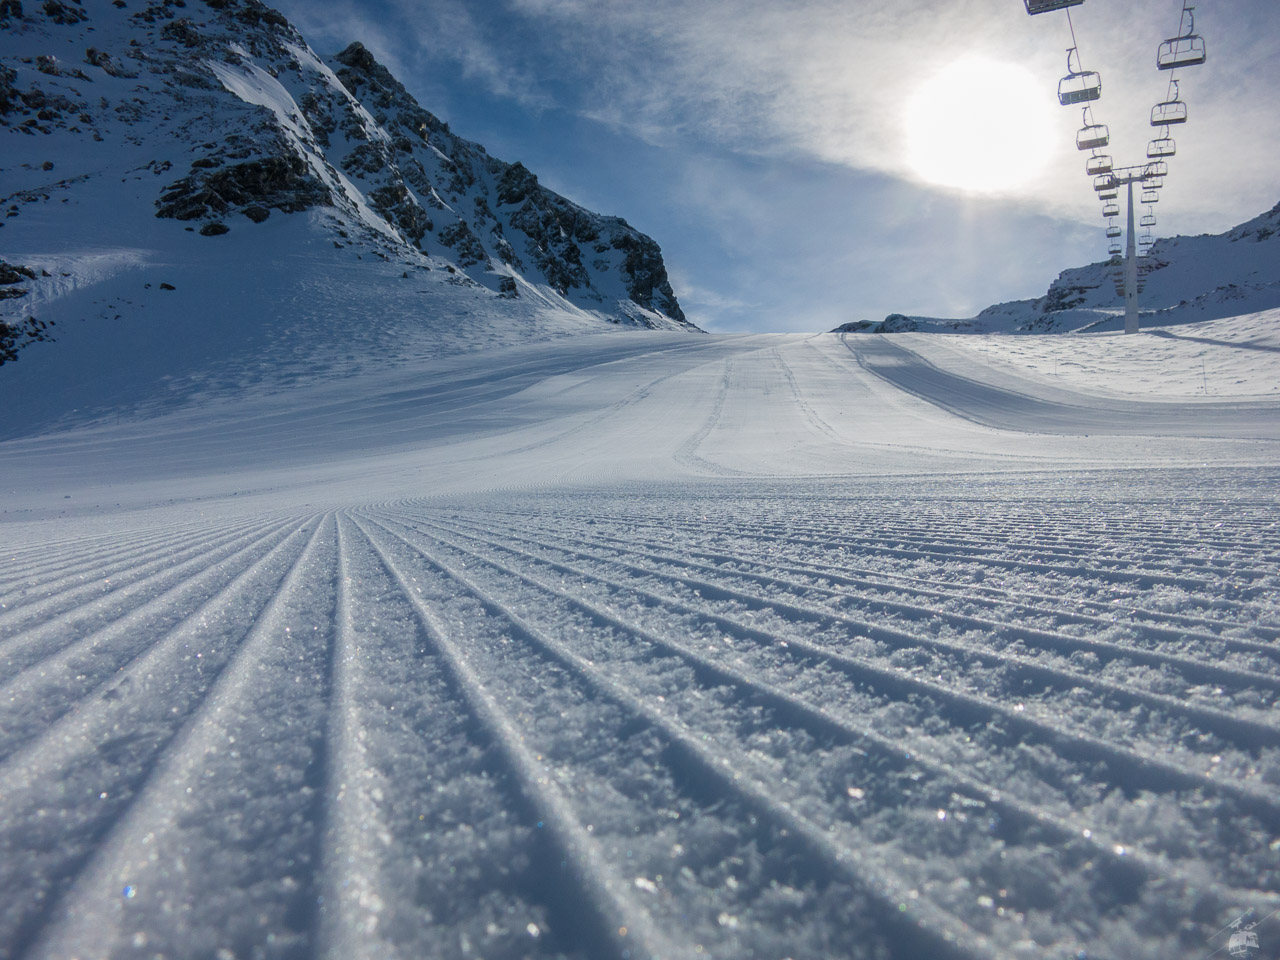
column 979, row 125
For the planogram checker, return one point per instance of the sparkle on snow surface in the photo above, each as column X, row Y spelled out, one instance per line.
column 636, row 645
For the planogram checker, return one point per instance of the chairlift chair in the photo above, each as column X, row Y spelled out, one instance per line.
column 1186, row 50
column 1046, row 6
column 1078, row 86
column 1110, row 193
column 1113, row 231
column 1146, row 239
column 1093, row 136
column 1150, row 196
column 1098, row 164
column 1242, row 942
column 1156, row 169
column 1148, row 220
column 1115, row 249
column 1173, row 110
column 1161, row 147
column 1104, row 182
column 1111, row 209
column 1153, row 183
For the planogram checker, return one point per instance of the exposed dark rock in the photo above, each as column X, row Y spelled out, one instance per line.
column 10, row 100
column 182, row 31
column 516, row 184
column 214, row 229
column 468, row 246
column 282, row 183
column 648, row 284
column 14, row 273
column 62, row 13
column 10, row 9
column 256, row 213
column 893, row 323
column 167, row 286
column 16, row 335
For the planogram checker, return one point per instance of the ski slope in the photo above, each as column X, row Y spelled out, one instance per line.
column 648, row 645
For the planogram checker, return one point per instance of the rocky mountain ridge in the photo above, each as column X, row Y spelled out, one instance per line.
column 214, row 118
column 1184, row 280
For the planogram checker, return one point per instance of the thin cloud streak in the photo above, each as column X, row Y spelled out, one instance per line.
column 829, row 79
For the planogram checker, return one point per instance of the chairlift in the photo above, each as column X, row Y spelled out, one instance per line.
column 1104, row 182
column 1091, row 135
column 1161, row 147
column 1146, row 239
column 1150, row 196
column 1173, row 110
column 1242, row 942
column 1185, row 50
column 1112, row 209
column 1098, row 164
column 1109, row 193
column 1046, row 6
column 1148, row 220
column 1152, row 170
column 1115, row 249
column 1153, row 183
column 1078, row 86
column 1113, row 231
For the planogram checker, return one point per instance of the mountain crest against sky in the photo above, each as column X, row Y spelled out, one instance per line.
column 215, row 117
column 1183, row 280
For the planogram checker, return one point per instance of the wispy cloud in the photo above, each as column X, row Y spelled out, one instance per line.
column 829, row 79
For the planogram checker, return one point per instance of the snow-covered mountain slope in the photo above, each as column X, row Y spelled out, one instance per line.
column 641, row 644
column 1184, row 280
column 294, row 206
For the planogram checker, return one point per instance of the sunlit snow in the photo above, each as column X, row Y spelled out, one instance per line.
column 643, row 644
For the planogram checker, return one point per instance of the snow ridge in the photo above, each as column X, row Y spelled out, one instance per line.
column 217, row 118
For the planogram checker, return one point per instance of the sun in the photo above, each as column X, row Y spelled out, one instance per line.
column 979, row 125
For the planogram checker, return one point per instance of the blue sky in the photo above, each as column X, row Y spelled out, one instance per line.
column 787, row 154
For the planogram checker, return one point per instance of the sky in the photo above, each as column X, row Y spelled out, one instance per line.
column 803, row 163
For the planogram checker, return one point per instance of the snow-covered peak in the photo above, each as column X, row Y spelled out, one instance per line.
column 1183, row 280
column 205, row 137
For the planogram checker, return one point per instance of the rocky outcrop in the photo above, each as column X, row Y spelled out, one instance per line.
column 893, row 323
column 250, row 124
column 18, row 332
column 277, row 182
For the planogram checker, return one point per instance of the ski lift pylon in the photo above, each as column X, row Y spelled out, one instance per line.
column 1185, row 50
column 1078, row 86
column 1047, row 6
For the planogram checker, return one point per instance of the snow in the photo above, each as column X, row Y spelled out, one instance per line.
column 641, row 644
column 1229, row 359
column 254, row 85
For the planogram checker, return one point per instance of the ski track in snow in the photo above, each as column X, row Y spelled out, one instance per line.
column 623, row 662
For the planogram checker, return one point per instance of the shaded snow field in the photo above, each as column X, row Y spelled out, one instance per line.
column 652, row 645
column 1233, row 358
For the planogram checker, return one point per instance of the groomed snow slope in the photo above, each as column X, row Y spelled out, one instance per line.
column 643, row 645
